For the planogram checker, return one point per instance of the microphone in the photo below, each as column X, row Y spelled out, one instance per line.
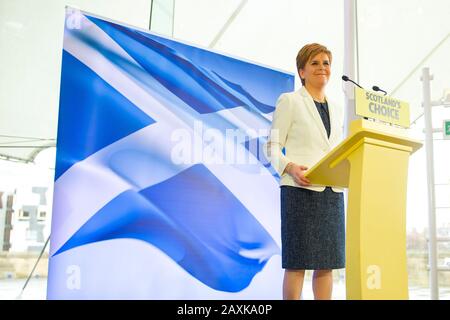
column 345, row 78
column 375, row 88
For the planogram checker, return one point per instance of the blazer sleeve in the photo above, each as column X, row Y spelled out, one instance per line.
column 281, row 123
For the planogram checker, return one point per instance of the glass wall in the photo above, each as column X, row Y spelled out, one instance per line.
column 31, row 34
column 162, row 17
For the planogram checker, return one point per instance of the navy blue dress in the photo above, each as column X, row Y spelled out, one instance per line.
column 313, row 223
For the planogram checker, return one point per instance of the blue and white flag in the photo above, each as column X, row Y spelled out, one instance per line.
column 161, row 188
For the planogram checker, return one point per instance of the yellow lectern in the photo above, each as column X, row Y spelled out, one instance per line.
column 372, row 162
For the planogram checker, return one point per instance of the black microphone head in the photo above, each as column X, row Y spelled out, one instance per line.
column 345, row 78
column 377, row 88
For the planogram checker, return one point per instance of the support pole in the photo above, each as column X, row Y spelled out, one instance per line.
column 32, row 271
column 432, row 249
column 349, row 62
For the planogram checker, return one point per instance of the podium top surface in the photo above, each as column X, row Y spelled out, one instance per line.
column 331, row 170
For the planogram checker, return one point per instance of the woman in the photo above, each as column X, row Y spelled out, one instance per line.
column 307, row 125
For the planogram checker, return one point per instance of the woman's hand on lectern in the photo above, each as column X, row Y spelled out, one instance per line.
column 297, row 172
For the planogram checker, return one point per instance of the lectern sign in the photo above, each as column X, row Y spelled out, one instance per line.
column 385, row 108
column 446, row 129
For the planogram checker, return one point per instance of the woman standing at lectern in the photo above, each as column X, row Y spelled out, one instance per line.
column 308, row 125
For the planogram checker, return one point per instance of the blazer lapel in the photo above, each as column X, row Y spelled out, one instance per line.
column 311, row 106
column 332, row 113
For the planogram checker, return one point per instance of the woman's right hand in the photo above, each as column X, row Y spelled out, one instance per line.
column 297, row 172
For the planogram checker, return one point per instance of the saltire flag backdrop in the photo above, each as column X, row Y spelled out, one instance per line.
column 161, row 187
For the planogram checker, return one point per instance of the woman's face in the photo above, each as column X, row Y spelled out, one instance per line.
column 317, row 70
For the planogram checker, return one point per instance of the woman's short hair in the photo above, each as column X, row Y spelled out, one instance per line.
column 310, row 51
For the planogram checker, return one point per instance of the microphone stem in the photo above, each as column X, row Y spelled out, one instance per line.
column 356, row 84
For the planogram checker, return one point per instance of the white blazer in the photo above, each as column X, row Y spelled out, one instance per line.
column 297, row 127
